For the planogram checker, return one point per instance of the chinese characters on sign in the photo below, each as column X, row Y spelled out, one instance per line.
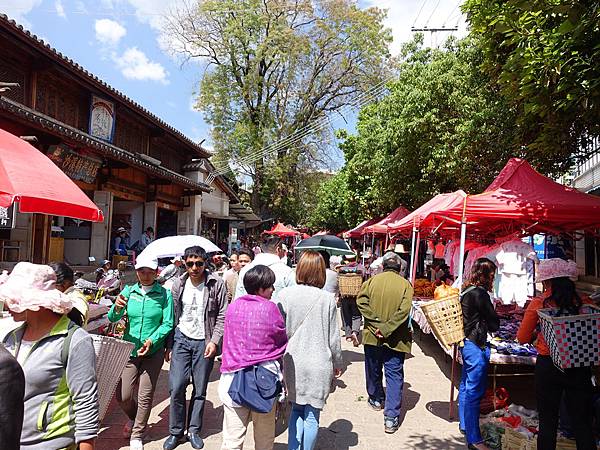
column 102, row 119
column 76, row 166
column 7, row 218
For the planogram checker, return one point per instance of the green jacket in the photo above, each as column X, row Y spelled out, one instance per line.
column 150, row 316
column 385, row 301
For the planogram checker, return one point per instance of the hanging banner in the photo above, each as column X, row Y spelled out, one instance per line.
column 7, row 217
column 102, row 119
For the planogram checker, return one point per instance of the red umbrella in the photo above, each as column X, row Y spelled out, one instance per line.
column 28, row 177
column 281, row 230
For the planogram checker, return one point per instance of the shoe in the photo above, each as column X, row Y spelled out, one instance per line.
column 463, row 432
column 354, row 339
column 375, row 404
column 195, row 440
column 479, row 446
column 391, row 424
column 136, row 444
column 172, row 442
column 127, row 429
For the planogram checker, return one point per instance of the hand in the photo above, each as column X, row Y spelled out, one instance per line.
column 211, row 350
column 337, row 373
column 121, row 302
column 145, row 348
column 378, row 333
column 167, row 355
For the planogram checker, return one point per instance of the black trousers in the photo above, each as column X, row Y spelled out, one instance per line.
column 351, row 316
column 576, row 384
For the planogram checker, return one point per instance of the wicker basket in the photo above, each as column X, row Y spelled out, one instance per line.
column 349, row 284
column 111, row 356
column 574, row 341
column 513, row 440
column 446, row 320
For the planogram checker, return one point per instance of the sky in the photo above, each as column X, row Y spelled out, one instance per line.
column 119, row 42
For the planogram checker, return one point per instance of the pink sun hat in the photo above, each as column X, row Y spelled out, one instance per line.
column 31, row 287
column 556, row 268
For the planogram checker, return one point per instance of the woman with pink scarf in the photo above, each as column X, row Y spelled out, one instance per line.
column 254, row 334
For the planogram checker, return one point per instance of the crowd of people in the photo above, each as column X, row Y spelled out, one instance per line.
column 275, row 331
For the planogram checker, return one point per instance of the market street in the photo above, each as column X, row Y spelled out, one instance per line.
column 347, row 422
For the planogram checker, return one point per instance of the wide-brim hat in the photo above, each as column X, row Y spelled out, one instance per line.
column 121, row 230
column 177, row 258
column 556, row 268
column 32, row 287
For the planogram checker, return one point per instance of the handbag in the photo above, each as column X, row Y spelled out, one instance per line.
column 256, row 388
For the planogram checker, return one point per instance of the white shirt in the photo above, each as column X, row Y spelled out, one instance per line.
column 191, row 322
column 284, row 275
column 513, row 255
column 331, row 282
column 227, row 378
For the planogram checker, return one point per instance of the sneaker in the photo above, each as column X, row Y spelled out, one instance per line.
column 127, row 429
column 391, row 424
column 136, row 444
column 375, row 404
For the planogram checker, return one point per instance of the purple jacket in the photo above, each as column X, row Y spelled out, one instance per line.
column 254, row 333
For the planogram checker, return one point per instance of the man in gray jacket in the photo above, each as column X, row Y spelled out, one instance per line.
column 199, row 301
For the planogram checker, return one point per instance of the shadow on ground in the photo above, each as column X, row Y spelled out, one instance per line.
column 423, row 442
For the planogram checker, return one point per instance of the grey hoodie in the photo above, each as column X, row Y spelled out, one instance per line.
column 61, row 406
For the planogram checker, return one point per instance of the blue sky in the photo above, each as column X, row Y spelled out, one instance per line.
column 118, row 41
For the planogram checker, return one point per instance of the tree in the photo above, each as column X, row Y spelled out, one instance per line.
column 331, row 209
column 274, row 68
column 441, row 127
column 545, row 56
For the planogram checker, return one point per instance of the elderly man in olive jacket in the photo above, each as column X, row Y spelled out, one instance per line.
column 385, row 301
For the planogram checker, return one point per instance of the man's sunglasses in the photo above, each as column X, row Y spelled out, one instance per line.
column 191, row 264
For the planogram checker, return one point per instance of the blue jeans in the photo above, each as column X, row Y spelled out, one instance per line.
column 376, row 359
column 187, row 358
column 303, row 427
column 473, row 382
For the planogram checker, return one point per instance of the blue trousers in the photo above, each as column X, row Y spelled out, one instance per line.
column 187, row 358
column 303, row 427
column 473, row 382
column 378, row 358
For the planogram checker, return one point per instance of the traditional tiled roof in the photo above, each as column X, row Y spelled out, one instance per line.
column 63, row 130
column 39, row 44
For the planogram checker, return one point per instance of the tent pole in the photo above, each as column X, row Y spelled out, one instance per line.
column 416, row 257
column 373, row 244
column 364, row 248
column 463, row 237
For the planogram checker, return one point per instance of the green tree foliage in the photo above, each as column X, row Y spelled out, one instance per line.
column 272, row 69
column 441, row 127
column 545, row 56
column 330, row 211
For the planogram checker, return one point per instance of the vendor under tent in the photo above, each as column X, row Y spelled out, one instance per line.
column 282, row 231
column 31, row 179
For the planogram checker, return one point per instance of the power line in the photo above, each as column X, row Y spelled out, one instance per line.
column 433, row 12
column 419, row 13
column 451, row 12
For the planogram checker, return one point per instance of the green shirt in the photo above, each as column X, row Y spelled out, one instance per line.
column 385, row 301
column 150, row 316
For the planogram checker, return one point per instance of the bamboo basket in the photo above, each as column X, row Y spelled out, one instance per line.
column 445, row 319
column 349, row 284
column 513, row 440
column 111, row 356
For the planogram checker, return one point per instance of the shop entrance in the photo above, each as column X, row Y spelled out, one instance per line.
column 128, row 214
column 166, row 223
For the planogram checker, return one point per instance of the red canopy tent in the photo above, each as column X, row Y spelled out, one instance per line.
column 357, row 231
column 381, row 227
column 28, row 177
column 282, row 231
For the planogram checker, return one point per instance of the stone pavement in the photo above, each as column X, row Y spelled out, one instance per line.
column 346, row 421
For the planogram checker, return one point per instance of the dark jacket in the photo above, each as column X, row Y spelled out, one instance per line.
column 385, row 301
column 12, row 390
column 215, row 305
column 479, row 316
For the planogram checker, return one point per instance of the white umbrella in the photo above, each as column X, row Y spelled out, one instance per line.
column 171, row 246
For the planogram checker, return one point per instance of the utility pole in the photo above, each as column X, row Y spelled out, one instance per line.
column 432, row 31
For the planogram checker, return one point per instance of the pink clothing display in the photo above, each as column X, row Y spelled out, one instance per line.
column 254, row 333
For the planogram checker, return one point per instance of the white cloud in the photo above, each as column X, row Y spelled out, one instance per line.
column 80, row 7
column 109, row 32
column 18, row 9
column 60, row 9
column 135, row 65
column 153, row 12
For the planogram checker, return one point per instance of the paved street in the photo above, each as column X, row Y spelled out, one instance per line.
column 346, row 422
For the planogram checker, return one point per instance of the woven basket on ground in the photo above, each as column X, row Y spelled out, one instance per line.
column 445, row 318
column 513, row 440
column 111, row 356
column 349, row 284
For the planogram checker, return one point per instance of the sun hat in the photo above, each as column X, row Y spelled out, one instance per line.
column 121, row 230
column 177, row 258
column 31, row 287
column 146, row 262
column 556, row 268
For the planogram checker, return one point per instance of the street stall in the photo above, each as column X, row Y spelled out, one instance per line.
column 382, row 227
column 519, row 202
